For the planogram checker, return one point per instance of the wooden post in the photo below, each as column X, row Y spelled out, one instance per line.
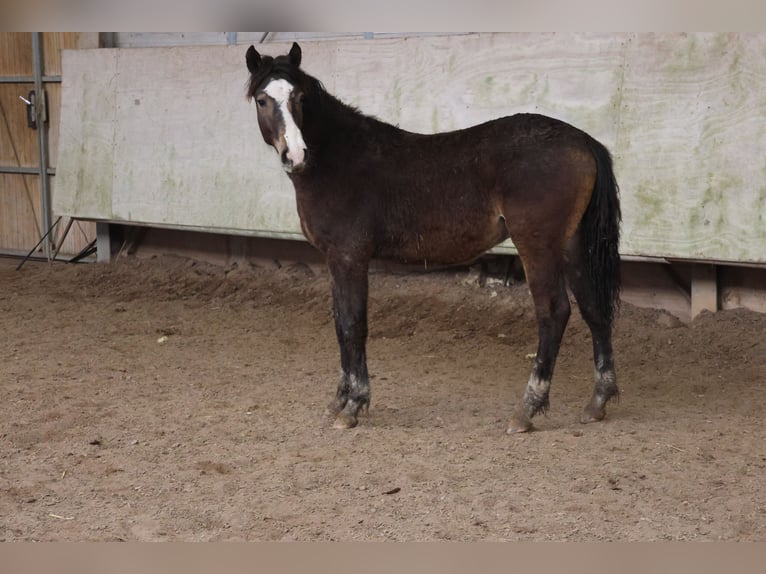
column 704, row 289
column 103, row 242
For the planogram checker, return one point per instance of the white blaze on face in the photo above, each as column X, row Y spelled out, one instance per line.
column 280, row 91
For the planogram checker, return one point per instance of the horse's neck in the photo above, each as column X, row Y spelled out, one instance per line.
column 343, row 125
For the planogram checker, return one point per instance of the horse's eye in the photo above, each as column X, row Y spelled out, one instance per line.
column 261, row 102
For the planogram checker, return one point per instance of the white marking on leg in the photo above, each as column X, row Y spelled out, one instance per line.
column 280, row 91
column 606, row 377
column 356, row 384
column 538, row 386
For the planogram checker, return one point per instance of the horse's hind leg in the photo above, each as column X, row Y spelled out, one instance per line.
column 546, row 282
column 601, row 331
column 349, row 292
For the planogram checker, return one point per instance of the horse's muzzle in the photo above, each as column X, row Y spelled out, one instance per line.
column 290, row 166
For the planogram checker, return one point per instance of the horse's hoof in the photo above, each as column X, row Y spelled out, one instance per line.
column 520, row 421
column 592, row 415
column 334, row 408
column 344, row 421
column 519, row 426
column 595, row 410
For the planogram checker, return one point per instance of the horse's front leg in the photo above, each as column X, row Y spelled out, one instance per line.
column 349, row 293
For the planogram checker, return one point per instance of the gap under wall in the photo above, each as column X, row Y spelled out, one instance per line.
column 683, row 289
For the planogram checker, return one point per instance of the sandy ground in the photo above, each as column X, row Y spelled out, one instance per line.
column 167, row 399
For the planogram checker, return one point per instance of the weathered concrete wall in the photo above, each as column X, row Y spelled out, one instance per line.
column 164, row 136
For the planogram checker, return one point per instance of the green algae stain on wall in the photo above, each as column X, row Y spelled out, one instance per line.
column 760, row 214
column 91, row 154
column 760, row 224
column 649, row 204
column 395, row 106
column 686, row 55
column 435, row 120
column 451, row 66
column 484, row 91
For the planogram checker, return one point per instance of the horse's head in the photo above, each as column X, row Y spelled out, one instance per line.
column 278, row 90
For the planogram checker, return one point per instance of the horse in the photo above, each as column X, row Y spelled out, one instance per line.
column 368, row 190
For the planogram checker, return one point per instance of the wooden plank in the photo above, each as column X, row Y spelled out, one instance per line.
column 19, row 210
column 86, row 156
column 676, row 109
column 167, row 39
column 16, row 54
column 19, row 194
column 690, row 151
column 18, row 143
column 165, row 178
column 171, row 39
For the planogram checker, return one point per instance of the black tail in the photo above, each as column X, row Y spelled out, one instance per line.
column 600, row 229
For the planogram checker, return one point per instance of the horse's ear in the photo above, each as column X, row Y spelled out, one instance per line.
column 295, row 55
column 253, row 59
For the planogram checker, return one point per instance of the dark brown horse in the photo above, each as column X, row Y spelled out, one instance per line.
column 366, row 189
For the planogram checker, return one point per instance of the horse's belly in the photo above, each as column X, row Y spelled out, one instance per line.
column 461, row 244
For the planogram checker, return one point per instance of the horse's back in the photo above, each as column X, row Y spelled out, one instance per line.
column 472, row 181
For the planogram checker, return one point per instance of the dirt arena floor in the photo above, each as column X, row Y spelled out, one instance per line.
column 167, row 399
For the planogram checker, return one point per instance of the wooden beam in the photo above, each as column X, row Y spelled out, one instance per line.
column 103, row 243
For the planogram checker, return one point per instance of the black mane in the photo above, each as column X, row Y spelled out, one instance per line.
column 320, row 100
